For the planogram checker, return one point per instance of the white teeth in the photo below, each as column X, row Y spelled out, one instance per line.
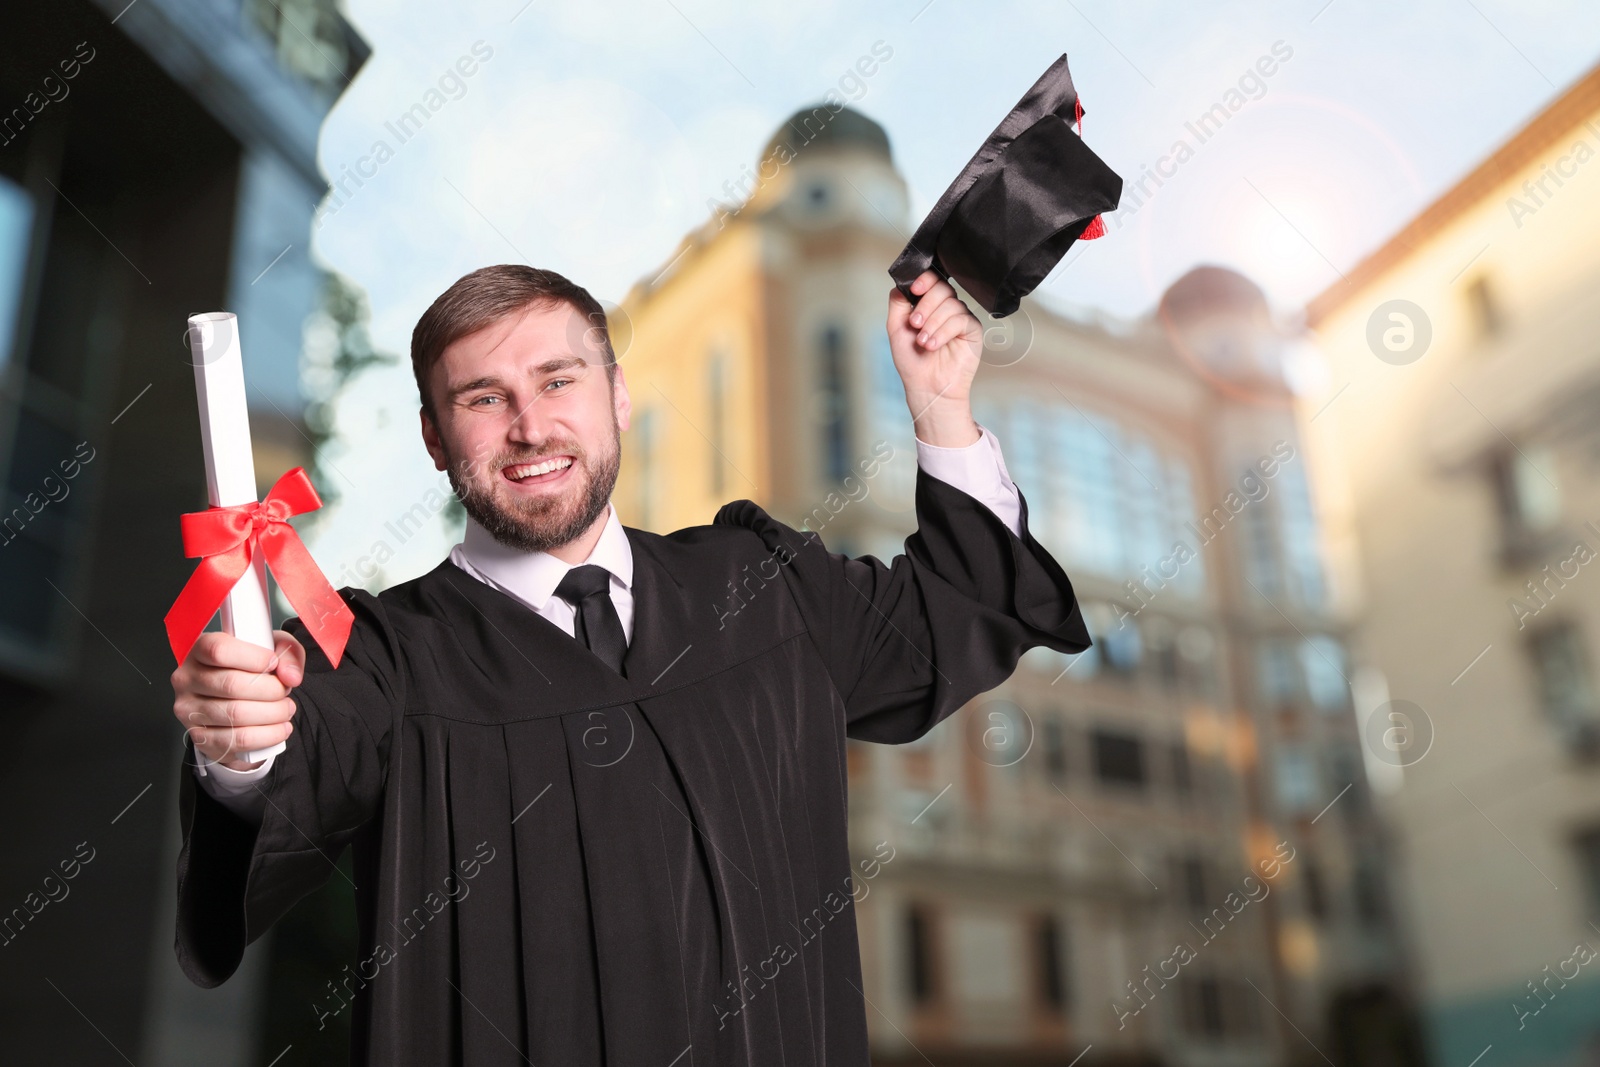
column 528, row 470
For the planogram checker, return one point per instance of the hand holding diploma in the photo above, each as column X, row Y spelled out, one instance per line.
column 233, row 695
column 237, row 539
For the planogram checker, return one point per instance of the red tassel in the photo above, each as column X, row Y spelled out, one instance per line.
column 1096, row 227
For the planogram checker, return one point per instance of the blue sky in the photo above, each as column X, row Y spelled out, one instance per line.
column 589, row 137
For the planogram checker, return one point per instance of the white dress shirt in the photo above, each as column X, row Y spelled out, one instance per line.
column 979, row 470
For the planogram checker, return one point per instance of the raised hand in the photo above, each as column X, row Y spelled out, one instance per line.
column 937, row 345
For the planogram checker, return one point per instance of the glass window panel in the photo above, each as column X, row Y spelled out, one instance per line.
column 891, row 420
column 1299, row 536
column 1298, row 785
column 16, row 227
column 1322, row 659
column 1276, row 674
column 1190, row 579
column 833, row 384
column 1144, row 505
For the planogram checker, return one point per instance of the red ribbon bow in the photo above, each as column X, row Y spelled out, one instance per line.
column 227, row 538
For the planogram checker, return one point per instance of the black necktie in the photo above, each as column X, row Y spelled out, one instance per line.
column 596, row 623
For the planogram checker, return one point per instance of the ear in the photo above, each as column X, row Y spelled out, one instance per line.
column 430, row 438
column 620, row 400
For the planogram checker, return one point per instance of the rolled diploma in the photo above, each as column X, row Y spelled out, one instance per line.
column 230, row 468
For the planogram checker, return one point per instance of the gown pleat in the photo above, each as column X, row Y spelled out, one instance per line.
column 560, row 864
column 561, row 983
column 493, row 1030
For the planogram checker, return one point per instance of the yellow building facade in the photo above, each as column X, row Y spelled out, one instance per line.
column 1457, row 440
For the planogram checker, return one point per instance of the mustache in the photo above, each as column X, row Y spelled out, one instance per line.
column 501, row 460
column 534, row 457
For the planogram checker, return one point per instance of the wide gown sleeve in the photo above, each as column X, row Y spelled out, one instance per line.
column 234, row 879
column 908, row 643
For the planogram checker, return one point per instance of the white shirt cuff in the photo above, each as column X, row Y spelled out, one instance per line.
column 979, row 470
column 238, row 791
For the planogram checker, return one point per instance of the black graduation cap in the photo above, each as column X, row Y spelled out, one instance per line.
column 1030, row 191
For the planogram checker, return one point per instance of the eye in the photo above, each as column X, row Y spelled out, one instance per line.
column 479, row 400
column 560, row 381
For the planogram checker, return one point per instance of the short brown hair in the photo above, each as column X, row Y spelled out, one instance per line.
column 488, row 295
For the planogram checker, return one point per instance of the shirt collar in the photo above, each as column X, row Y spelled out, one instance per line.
column 533, row 576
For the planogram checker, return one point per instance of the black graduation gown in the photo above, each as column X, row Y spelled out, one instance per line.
column 559, row 865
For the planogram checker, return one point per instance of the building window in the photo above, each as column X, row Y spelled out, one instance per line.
column 1218, row 1008
column 1053, row 738
column 1192, row 874
column 1024, row 458
column 1587, row 845
column 1052, row 963
column 1368, row 891
column 1279, row 547
column 1528, row 501
column 834, row 391
column 717, row 429
column 1162, row 648
column 16, row 231
column 1182, row 771
column 1297, row 523
column 1241, row 1007
column 1260, row 550
column 1322, row 659
column 48, row 438
column 919, row 955
column 1566, row 683
column 1104, row 492
column 309, row 38
column 1345, row 767
column 1202, row 1007
column 1196, row 660
column 1298, row 786
column 1277, row 673
column 1485, row 307
column 1316, row 892
column 891, row 420
column 1123, row 646
column 1118, row 759
column 1087, row 488
column 1191, row 577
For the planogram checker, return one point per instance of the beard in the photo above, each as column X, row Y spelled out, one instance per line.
column 549, row 520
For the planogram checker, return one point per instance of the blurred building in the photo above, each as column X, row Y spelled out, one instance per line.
column 1459, row 436
column 157, row 159
column 1041, row 858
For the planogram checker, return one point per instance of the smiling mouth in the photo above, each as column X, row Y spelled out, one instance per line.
column 546, row 470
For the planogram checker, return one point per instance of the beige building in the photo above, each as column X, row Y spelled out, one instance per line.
column 1457, row 440
column 1073, row 865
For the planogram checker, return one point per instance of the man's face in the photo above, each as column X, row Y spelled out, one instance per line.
column 524, row 391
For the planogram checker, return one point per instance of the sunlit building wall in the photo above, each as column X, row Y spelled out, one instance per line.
column 1457, row 438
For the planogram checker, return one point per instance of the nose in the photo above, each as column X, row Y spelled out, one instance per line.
column 527, row 426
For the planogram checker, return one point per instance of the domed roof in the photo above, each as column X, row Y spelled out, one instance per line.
column 1218, row 322
column 820, row 126
column 1207, row 291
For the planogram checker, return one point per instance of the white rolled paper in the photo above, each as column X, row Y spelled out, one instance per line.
column 230, row 467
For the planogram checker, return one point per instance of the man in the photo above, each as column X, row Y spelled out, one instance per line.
column 594, row 777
